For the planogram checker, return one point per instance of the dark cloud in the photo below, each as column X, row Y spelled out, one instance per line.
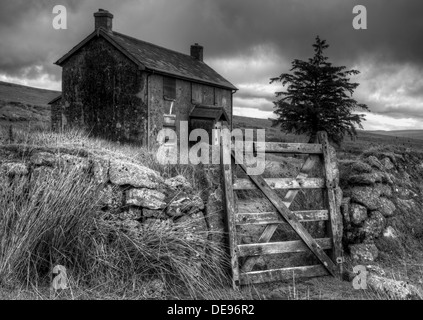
column 248, row 41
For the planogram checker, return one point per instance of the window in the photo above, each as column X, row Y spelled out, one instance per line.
column 169, row 88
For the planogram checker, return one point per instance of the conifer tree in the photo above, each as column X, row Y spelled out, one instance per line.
column 318, row 97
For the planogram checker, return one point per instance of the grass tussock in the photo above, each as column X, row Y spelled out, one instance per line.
column 54, row 218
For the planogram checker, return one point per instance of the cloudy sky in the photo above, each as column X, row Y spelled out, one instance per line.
column 247, row 41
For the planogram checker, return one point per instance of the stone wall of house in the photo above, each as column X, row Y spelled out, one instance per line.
column 103, row 93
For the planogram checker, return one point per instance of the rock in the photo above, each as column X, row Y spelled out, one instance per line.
column 127, row 173
column 111, row 196
column 146, row 198
column 372, row 198
column 185, row 205
column 366, row 196
column 394, row 289
column 358, row 214
column 177, row 207
column 387, row 178
column 374, row 162
column 364, row 252
column 387, row 163
column 361, row 167
column 179, row 183
column 383, row 190
column 374, row 226
column 390, row 232
column 386, row 207
column 14, row 169
column 365, row 178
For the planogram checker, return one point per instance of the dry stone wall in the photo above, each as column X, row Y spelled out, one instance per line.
column 132, row 195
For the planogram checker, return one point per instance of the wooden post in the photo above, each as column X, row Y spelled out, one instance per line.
column 230, row 208
column 334, row 224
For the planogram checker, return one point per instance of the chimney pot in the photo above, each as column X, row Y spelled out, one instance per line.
column 103, row 19
column 197, row 52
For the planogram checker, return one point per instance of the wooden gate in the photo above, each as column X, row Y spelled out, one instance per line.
column 327, row 250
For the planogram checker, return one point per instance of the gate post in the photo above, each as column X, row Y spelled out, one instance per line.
column 334, row 224
column 225, row 155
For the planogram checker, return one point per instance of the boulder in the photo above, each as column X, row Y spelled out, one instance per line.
column 128, row 173
column 374, row 226
column 371, row 197
column 358, row 214
column 364, row 252
column 374, row 162
column 386, row 207
column 387, row 163
column 146, row 198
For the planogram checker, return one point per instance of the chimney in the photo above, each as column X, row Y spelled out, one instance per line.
column 197, row 52
column 103, row 19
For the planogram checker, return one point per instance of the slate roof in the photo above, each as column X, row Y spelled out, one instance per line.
column 202, row 111
column 158, row 59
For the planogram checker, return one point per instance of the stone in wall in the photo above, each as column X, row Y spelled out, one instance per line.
column 146, row 198
column 127, row 173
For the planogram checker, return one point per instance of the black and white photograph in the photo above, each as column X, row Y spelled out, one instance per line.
column 210, row 158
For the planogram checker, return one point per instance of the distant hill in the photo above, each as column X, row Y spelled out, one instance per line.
column 21, row 105
column 413, row 134
column 28, row 95
column 365, row 139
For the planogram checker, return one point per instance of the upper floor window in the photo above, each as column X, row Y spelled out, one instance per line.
column 169, row 88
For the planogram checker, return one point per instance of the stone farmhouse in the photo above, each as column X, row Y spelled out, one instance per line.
column 124, row 89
